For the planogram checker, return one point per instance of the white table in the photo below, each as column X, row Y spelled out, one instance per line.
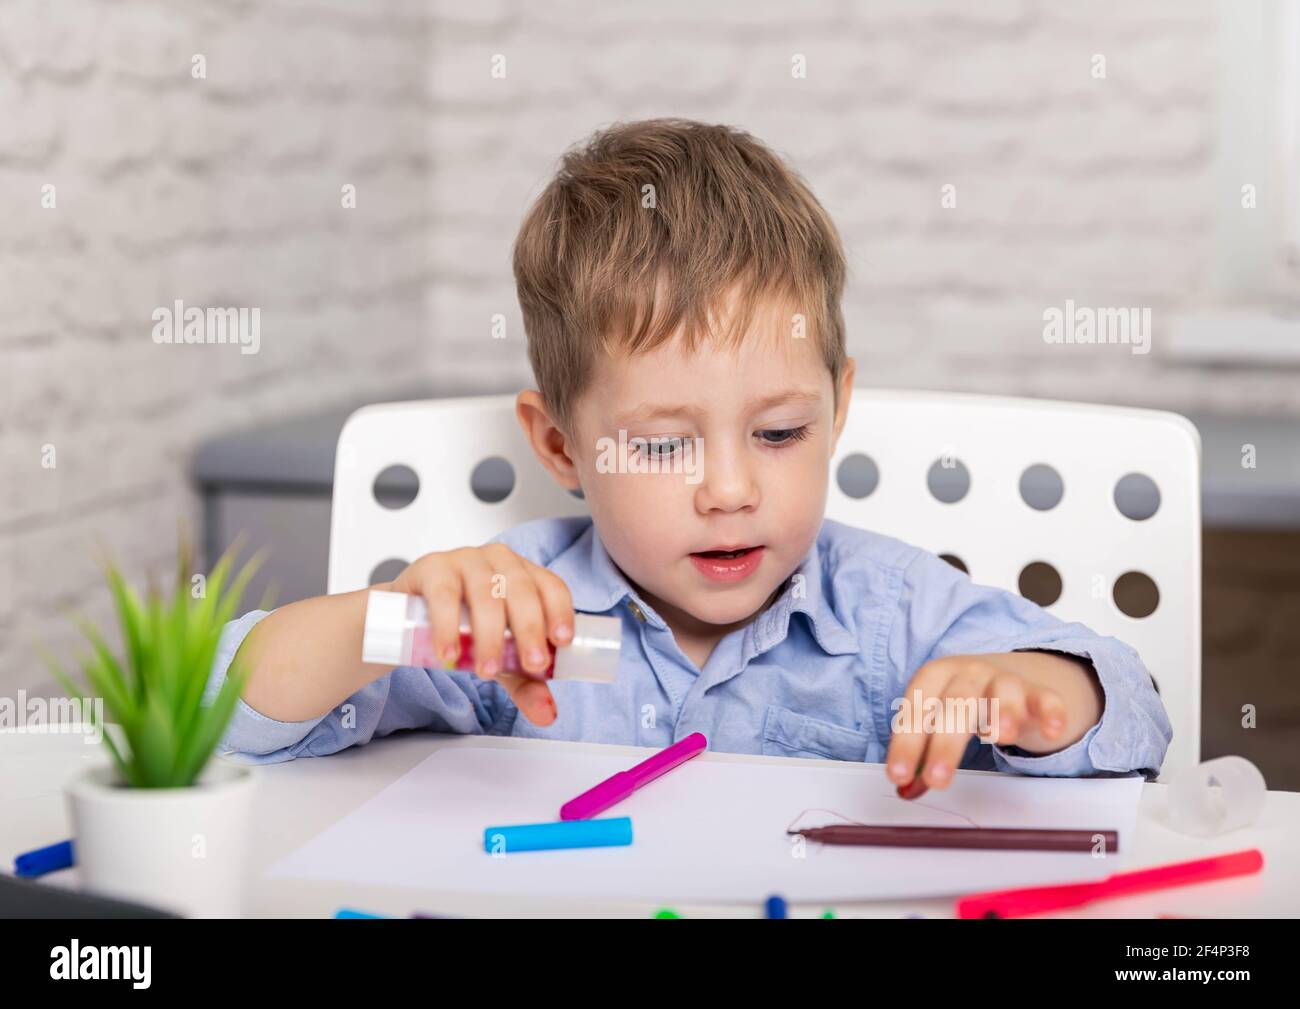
column 298, row 799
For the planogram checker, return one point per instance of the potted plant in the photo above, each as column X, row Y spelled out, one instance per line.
column 162, row 823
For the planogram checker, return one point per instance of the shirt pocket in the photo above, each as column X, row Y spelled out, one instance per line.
column 787, row 733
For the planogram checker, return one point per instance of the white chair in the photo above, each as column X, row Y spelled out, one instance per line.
column 895, row 447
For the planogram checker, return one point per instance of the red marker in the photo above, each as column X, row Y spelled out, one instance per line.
column 915, row 788
column 1037, row 899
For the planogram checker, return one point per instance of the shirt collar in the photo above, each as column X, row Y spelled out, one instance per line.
column 803, row 592
column 595, row 582
column 597, row 586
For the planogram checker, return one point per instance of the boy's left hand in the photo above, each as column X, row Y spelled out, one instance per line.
column 1018, row 706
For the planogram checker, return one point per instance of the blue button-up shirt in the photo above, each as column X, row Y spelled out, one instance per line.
column 816, row 674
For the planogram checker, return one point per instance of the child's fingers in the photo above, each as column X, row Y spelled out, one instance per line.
column 527, row 622
column 441, row 589
column 957, row 719
column 487, row 613
column 952, row 731
column 1047, row 708
column 906, row 749
column 908, row 742
column 1006, row 697
column 943, row 757
column 532, row 697
column 557, row 602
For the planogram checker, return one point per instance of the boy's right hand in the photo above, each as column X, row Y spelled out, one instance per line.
column 500, row 590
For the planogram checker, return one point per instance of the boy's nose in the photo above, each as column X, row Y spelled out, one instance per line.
column 727, row 485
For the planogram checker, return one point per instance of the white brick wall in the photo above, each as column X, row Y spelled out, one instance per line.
column 1068, row 187
column 225, row 191
column 220, row 191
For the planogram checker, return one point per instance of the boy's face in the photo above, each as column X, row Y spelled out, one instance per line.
column 766, row 419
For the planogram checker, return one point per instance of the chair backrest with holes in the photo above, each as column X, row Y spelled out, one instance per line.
column 974, row 451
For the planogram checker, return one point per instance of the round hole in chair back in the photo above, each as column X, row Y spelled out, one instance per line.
column 1040, row 583
column 1136, row 594
column 492, row 480
column 857, row 475
column 955, row 561
column 1137, row 496
column 386, row 571
column 396, row 486
column 1041, row 487
column 948, row 480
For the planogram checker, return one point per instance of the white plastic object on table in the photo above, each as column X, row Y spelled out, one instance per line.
column 1220, row 795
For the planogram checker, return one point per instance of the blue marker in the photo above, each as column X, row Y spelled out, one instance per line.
column 352, row 912
column 613, row 830
column 776, row 906
column 43, row 860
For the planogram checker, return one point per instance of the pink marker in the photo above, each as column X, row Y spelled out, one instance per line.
column 618, row 787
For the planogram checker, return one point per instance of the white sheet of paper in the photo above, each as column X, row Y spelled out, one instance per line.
column 706, row 831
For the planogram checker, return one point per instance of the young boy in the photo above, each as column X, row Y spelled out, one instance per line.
column 681, row 286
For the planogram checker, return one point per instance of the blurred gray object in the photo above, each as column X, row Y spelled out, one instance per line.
column 275, row 483
column 1263, row 495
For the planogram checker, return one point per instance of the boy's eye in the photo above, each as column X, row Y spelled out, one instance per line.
column 666, row 446
column 659, row 447
column 783, row 436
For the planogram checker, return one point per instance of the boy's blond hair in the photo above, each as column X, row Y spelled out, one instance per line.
column 654, row 224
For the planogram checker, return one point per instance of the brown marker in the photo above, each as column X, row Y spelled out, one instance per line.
column 997, row 838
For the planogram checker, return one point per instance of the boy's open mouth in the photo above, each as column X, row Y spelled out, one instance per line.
column 724, row 554
column 728, row 566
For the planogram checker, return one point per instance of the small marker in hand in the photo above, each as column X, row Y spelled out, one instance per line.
column 915, row 788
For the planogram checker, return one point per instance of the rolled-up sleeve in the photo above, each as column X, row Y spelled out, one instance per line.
column 944, row 613
column 408, row 697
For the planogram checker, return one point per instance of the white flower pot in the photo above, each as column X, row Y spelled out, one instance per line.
column 179, row 849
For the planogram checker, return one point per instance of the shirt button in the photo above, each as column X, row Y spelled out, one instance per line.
column 636, row 610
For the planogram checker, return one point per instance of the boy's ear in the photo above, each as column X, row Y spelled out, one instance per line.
column 549, row 443
column 845, row 397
